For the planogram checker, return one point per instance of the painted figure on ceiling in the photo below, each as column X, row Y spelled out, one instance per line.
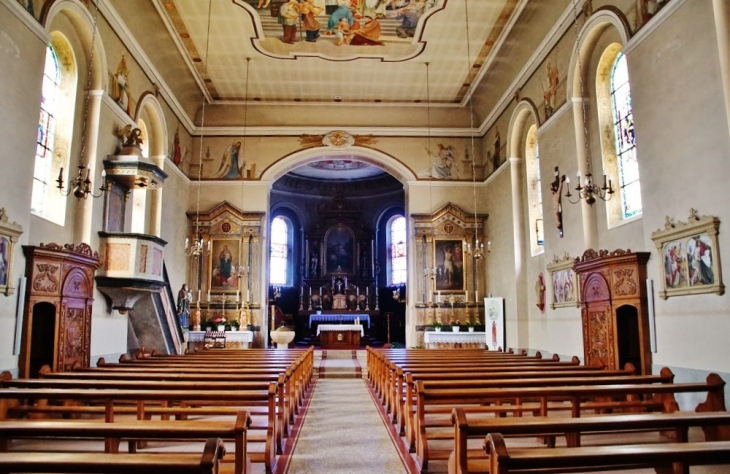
column 288, row 18
column 368, row 33
column 343, row 11
column 311, row 26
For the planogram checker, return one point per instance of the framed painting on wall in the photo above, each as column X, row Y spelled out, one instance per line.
column 494, row 323
column 449, row 261
column 9, row 233
column 340, row 250
column 690, row 256
column 564, row 280
column 225, row 257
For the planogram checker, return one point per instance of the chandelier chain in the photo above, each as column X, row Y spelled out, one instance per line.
column 202, row 123
column 582, row 88
column 88, row 84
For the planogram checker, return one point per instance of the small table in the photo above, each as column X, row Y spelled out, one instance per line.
column 340, row 336
column 349, row 317
column 234, row 340
column 455, row 340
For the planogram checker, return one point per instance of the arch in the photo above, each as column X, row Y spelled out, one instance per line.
column 374, row 157
column 157, row 131
column 517, row 123
column 82, row 22
column 587, row 38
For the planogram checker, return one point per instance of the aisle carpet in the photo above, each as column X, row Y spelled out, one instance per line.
column 340, row 364
column 344, row 432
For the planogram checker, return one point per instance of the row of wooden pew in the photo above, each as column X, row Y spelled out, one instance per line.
column 437, row 397
column 256, row 396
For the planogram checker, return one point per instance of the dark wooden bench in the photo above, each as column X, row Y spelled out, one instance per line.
column 78, row 462
column 669, row 458
column 517, row 408
column 463, row 461
column 189, row 403
column 133, row 432
column 575, row 399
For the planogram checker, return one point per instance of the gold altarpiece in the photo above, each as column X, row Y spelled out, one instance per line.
column 440, row 248
column 226, row 278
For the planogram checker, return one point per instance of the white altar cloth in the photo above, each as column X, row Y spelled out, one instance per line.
column 450, row 337
column 341, row 327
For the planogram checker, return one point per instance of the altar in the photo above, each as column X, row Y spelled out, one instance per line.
column 455, row 340
column 225, row 340
column 339, row 318
column 340, row 336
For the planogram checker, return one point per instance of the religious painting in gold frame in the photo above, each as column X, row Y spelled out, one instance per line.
column 564, row 283
column 225, row 258
column 9, row 233
column 449, row 263
column 689, row 256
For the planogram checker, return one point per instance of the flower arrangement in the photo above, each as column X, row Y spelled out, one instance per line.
column 235, row 324
column 219, row 320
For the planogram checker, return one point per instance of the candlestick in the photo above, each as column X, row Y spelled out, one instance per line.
column 438, row 296
column 367, row 291
column 320, row 291
column 237, row 299
column 208, row 296
column 357, row 291
column 476, row 296
column 310, row 291
column 248, row 295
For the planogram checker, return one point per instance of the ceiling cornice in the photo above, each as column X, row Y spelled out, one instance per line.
column 297, row 131
column 125, row 36
column 548, row 43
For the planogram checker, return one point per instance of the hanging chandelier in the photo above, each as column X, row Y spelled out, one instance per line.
column 586, row 189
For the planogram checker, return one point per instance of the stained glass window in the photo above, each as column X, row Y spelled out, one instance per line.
column 623, row 121
column 279, row 263
column 46, row 132
column 538, row 197
column 398, row 264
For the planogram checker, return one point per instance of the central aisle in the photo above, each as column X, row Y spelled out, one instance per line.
column 344, row 433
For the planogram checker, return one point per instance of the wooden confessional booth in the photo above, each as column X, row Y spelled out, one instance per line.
column 614, row 309
column 58, row 304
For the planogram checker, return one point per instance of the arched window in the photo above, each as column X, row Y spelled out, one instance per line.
column 534, row 192
column 623, row 124
column 397, row 247
column 280, row 255
column 618, row 143
column 55, row 125
column 46, row 132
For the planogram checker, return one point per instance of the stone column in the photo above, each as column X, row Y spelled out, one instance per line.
column 519, row 244
column 83, row 213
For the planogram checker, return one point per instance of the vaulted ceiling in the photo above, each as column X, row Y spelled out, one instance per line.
column 233, row 54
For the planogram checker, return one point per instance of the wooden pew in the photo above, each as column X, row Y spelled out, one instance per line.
column 163, row 411
column 116, row 463
column 404, row 405
column 601, row 458
column 112, row 399
column 463, row 461
column 133, row 431
column 541, row 380
column 577, row 398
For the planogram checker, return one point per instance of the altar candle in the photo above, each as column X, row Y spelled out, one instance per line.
column 357, row 292
column 320, row 291
column 367, row 290
column 438, row 296
column 199, row 292
column 248, row 295
column 237, row 293
column 476, row 296
column 310, row 291
column 208, row 296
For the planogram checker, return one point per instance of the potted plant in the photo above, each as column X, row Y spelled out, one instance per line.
column 235, row 325
column 436, row 325
column 471, row 324
column 455, row 325
column 207, row 325
column 220, row 323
